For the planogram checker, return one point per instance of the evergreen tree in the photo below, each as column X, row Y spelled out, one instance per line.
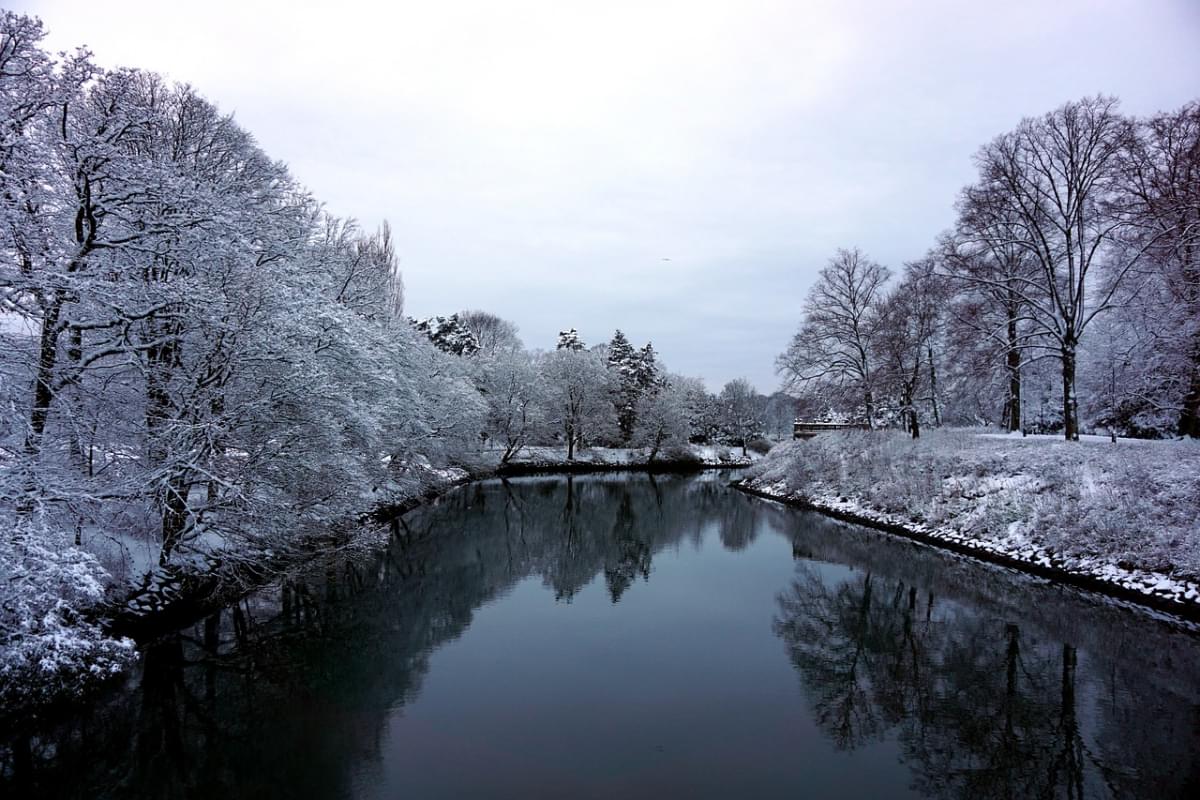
column 569, row 340
column 647, row 375
column 621, row 354
column 623, row 361
column 449, row 335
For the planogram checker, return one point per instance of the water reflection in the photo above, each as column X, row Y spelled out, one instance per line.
column 989, row 685
column 981, row 705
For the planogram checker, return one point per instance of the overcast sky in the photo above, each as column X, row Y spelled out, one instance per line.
column 680, row 170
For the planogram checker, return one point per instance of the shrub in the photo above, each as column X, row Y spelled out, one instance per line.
column 679, row 455
column 48, row 645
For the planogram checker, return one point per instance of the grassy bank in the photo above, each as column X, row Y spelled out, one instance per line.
column 1125, row 515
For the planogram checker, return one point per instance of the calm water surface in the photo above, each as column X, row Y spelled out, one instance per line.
column 623, row 637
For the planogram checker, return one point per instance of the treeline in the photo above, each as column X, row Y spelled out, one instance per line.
column 201, row 364
column 1066, row 297
column 607, row 395
column 198, row 359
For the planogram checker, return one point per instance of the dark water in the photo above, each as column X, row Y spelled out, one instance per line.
column 624, row 636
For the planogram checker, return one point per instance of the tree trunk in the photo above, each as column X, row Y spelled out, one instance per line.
column 1014, row 378
column 158, row 399
column 869, row 401
column 1070, row 405
column 174, row 516
column 570, row 443
column 654, row 449
column 43, row 387
column 1189, row 416
column 217, row 405
column 914, row 422
column 933, row 396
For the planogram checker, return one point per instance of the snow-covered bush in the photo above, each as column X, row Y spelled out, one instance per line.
column 48, row 645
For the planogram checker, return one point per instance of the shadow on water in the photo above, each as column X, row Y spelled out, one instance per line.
column 988, row 683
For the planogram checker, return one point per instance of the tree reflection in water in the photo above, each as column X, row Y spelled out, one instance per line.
column 992, row 685
column 981, row 706
column 282, row 693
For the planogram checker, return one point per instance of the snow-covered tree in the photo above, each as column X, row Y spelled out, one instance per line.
column 449, row 334
column 623, row 363
column 647, row 373
column 1156, row 328
column 662, row 416
column 569, row 340
column 741, row 411
column 909, row 318
column 512, row 389
column 1052, row 183
column 577, row 396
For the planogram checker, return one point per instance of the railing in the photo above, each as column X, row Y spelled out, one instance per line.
column 807, row 430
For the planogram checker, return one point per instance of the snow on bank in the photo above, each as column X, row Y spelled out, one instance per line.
column 1127, row 518
column 632, row 457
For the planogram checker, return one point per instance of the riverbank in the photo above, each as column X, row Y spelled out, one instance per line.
column 604, row 593
column 85, row 651
column 169, row 598
column 1120, row 518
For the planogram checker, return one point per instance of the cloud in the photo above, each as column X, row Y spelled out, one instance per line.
column 540, row 159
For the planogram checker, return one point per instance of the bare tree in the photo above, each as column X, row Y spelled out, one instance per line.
column 993, row 272
column 491, row 332
column 834, row 350
column 1050, row 181
column 909, row 318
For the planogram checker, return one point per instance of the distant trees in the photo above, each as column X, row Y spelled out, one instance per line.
column 741, row 410
column 779, row 412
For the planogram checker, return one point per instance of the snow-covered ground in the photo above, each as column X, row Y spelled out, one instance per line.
column 1126, row 514
column 631, row 457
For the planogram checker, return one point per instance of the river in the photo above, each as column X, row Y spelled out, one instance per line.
column 627, row 636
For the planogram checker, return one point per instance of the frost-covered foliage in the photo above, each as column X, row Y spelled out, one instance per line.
column 198, row 360
column 661, row 416
column 577, row 396
column 1133, row 503
column 48, row 644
